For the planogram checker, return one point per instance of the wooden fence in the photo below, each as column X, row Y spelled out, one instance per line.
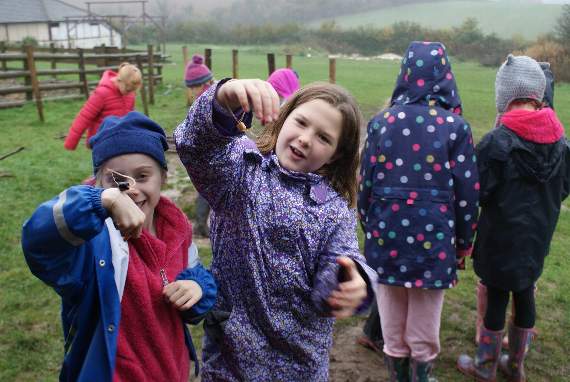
column 270, row 62
column 94, row 61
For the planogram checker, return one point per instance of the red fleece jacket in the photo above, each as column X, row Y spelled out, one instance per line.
column 151, row 345
column 106, row 100
column 538, row 126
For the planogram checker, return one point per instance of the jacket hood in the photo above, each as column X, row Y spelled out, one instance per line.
column 535, row 150
column 538, row 126
column 426, row 78
column 106, row 79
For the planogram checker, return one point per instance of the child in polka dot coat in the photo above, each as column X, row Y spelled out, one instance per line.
column 418, row 205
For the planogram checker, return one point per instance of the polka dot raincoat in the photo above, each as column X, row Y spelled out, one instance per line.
column 418, row 198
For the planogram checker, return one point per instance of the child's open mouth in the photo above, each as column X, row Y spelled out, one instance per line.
column 297, row 153
column 140, row 204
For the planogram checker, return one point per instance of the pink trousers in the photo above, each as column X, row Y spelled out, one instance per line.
column 410, row 319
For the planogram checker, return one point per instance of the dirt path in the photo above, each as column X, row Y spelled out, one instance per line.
column 350, row 362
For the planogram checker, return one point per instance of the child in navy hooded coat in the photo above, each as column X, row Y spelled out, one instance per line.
column 418, row 205
column 525, row 175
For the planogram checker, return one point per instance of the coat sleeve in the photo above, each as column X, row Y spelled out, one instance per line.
column 367, row 163
column 211, row 147
column 489, row 169
column 196, row 272
column 466, row 187
column 342, row 242
column 85, row 119
column 54, row 237
column 566, row 175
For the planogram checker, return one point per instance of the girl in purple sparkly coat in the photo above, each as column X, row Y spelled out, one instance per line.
column 283, row 231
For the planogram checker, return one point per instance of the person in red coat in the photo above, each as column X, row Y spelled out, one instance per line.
column 114, row 95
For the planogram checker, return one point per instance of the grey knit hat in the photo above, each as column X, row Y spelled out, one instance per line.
column 518, row 77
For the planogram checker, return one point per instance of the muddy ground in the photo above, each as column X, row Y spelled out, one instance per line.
column 350, row 362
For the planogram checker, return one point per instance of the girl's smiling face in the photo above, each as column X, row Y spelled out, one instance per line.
column 309, row 137
column 149, row 178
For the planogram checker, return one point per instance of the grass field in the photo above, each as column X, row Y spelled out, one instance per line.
column 505, row 18
column 30, row 330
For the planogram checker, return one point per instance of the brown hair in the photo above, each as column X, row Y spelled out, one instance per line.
column 525, row 101
column 342, row 171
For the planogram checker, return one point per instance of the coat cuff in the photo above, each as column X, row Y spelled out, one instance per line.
column 327, row 280
column 209, row 292
column 371, row 278
column 95, row 198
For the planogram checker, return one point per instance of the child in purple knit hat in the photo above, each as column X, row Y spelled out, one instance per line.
column 197, row 77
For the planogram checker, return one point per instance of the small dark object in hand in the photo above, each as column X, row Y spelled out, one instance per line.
column 123, row 186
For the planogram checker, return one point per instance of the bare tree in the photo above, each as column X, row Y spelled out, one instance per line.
column 563, row 27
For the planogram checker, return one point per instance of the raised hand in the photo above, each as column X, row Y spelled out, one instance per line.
column 255, row 95
column 126, row 215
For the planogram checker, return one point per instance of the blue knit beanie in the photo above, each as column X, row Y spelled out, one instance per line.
column 130, row 134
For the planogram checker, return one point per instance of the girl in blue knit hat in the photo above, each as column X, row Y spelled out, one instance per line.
column 418, row 205
column 121, row 257
column 283, row 231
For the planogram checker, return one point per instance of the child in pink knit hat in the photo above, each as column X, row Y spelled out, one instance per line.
column 285, row 81
column 198, row 78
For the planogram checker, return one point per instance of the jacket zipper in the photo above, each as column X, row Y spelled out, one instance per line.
column 165, row 281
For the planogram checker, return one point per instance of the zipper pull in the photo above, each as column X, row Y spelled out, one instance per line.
column 163, row 276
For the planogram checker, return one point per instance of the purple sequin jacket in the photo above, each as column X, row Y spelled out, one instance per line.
column 275, row 238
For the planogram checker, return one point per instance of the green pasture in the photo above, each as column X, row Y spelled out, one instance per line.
column 30, row 331
column 505, row 18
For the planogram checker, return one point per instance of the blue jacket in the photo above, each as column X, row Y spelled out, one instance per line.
column 68, row 243
column 418, row 195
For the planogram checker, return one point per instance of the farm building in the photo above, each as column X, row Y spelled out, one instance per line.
column 54, row 21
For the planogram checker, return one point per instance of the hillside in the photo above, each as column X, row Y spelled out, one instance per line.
column 501, row 17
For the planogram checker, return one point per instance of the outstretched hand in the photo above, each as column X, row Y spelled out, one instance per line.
column 252, row 95
column 350, row 293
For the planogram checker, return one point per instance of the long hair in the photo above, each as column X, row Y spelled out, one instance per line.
column 341, row 172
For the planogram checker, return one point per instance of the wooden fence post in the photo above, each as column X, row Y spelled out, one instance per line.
column 208, row 57
column 53, row 50
column 143, row 90
column 332, row 70
column 235, row 64
column 105, row 51
column 289, row 61
column 270, row 63
column 27, row 78
column 185, row 55
column 34, row 80
column 159, row 72
column 3, row 50
column 150, row 60
column 82, row 76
